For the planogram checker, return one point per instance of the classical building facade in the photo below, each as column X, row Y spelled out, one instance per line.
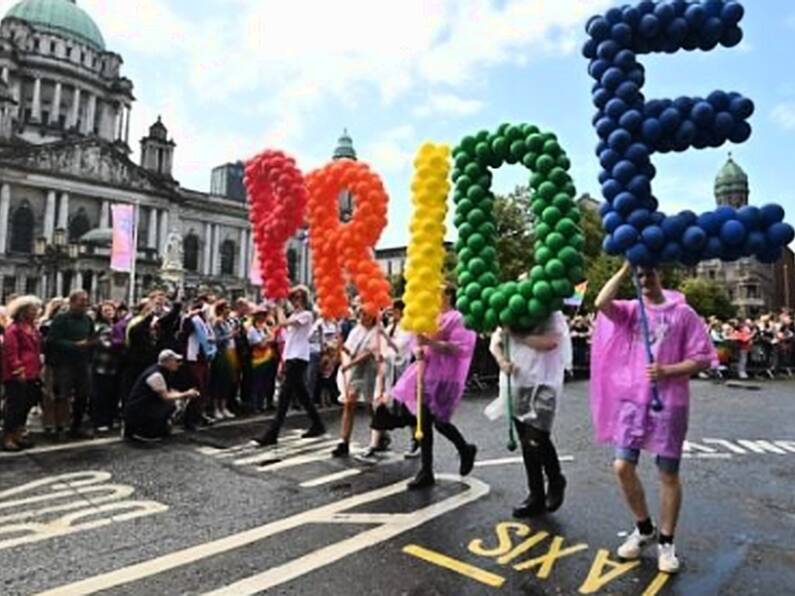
column 65, row 161
column 752, row 286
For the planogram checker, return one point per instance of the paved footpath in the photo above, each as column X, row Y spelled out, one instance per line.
column 210, row 513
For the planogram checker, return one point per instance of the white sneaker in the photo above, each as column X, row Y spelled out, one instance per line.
column 369, row 456
column 635, row 543
column 413, row 452
column 667, row 562
column 217, row 415
column 228, row 414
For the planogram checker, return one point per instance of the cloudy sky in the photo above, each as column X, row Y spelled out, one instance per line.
column 231, row 77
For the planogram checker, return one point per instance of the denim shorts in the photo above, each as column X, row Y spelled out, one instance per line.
column 669, row 465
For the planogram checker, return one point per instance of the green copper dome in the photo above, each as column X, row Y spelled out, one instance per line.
column 731, row 179
column 345, row 147
column 62, row 17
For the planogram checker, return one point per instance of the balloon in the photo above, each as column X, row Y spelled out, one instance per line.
column 347, row 248
column 277, row 199
column 482, row 300
column 632, row 128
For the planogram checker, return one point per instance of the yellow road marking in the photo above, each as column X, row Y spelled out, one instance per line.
column 465, row 569
column 656, row 585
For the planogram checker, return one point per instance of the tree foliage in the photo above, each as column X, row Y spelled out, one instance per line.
column 708, row 297
column 514, row 245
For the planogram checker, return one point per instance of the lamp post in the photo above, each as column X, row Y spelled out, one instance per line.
column 51, row 257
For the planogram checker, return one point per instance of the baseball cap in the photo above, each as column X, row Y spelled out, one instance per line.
column 168, row 355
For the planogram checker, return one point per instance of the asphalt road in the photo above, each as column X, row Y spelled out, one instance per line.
column 208, row 513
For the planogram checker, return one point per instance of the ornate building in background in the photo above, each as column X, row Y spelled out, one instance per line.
column 752, row 286
column 65, row 114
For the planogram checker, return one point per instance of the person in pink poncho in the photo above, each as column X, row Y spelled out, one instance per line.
column 621, row 396
column 447, row 356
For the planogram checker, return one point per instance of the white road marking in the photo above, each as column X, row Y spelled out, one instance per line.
column 485, row 463
column 84, row 495
column 392, row 525
column 285, row 452
column 321, row 480
column 707, row 456
column 761, row 447
column 724, row 443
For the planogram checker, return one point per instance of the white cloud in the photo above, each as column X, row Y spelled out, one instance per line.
column 784, row 115
column 448, row 104
column 393, row 152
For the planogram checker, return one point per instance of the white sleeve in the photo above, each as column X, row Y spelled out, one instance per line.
column 157, row 382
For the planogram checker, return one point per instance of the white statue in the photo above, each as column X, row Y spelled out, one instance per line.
column 172, row 255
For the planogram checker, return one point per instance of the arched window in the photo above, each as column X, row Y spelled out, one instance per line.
column 79, row 225
column 292, row 264
column 228, row 257
column 190, row 252
column 22, row 229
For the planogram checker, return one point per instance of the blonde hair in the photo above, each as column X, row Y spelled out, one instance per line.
column 53, row 307
column 19, row 305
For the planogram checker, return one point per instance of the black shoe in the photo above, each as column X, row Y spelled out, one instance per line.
column 468, row 460
column 555, row 493
column 341, row 450
column 315, row 431
column 422, row 480
column 530, row 508
column 80, row 434
column 267, row 439
column 384, row 443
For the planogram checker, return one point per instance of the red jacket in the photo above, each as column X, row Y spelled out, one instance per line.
column 22, row 350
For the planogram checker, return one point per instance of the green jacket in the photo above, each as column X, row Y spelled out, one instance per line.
column 65, row 331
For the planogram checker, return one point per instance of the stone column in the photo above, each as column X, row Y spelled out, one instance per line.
column 208, row 247
column 163, row 232
column 5, row 205
column 49, row 215
column 216, row 247
column 77, row 280
column 127, row 125
column 36, row 112
column 75, row 108
column 151, row 232
column 241, row 259
column 63, row 212
column 104, row 215
column 55, row 113
column 44, row 291
column 91, row 112
column 59, row 283
column 94, row 288
column 4, row 74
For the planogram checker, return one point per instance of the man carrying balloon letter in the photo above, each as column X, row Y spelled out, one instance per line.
column 622, row 385
column 442, row 365
column 533, row 364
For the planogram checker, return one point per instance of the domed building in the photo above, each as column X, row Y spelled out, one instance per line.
column 65, row 126
column 752, row 286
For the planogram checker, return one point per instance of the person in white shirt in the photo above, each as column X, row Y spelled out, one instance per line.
column 533, row 364
column 297, row 328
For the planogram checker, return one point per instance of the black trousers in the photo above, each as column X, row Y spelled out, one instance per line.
column 104, row 400
column 447, row 429
column 294, row 388
column 74, row 381
column 540, row 456
column 21, row 396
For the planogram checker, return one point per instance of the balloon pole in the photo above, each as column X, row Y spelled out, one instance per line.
column 509, row 401
column 656, row 402
column 418, row 434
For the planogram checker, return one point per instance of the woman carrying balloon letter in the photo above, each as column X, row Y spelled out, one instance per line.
column 621, row 396
column 445, row 357
column 533, row 365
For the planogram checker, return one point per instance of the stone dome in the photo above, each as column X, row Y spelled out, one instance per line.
column 62, row 17
column 345, row 148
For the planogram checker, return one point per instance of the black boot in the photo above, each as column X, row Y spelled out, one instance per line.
column 314, row 431
column 555, row 493
column 423, row 479
column 530, row 507
column 468, row 459
column 341, row 450
column 269, row 438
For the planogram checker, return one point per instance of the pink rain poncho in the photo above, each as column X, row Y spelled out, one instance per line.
column 620, row 389
column 445, row 374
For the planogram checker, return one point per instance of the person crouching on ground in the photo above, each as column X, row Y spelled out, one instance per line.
column 21, row 370
column 151, row 404
column 621, row 396
column 535, row 361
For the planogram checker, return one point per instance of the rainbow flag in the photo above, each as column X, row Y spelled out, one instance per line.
column 578, row 296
